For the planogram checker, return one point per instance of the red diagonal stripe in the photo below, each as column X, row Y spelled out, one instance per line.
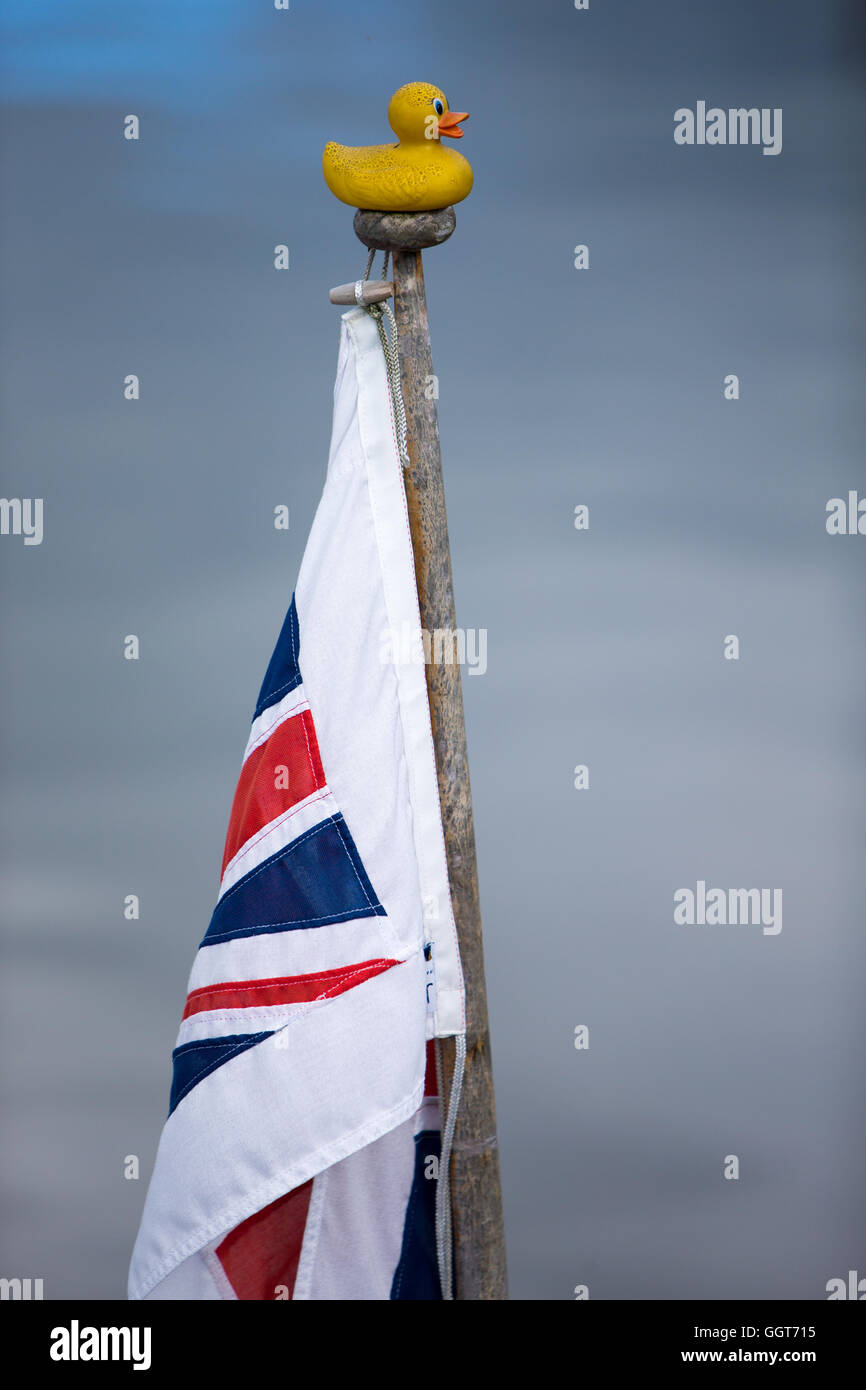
column 289, row 989
column 259, row 800
column 261, row 1255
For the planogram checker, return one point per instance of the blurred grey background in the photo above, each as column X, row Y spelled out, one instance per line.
column 558, row 387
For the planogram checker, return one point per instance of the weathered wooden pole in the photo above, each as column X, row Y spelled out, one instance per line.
column 476, row 1201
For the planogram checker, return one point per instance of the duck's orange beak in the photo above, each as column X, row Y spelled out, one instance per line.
column 449, row 124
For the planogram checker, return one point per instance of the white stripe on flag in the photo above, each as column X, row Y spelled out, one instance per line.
column 270, row 719
column 304, row 951
column 319, row 806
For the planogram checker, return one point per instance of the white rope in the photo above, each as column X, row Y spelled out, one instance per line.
column 444, row 1233
column 380, row 312
column 392, row 361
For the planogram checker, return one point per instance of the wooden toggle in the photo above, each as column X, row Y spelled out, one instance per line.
column 372, row 292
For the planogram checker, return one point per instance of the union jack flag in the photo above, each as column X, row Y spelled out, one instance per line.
column 299, row 1157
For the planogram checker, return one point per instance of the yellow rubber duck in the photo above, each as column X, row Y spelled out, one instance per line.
column 415, row 175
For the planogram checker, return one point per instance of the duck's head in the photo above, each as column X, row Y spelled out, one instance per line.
column 419, row 111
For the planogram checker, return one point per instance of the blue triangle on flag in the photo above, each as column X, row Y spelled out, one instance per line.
column 417, row 1273
column 196, row 1060
column 283, row 673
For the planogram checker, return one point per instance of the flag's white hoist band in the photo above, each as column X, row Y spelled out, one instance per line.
column 296, row 1159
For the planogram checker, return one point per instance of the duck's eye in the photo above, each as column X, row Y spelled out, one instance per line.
column 438, row 107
